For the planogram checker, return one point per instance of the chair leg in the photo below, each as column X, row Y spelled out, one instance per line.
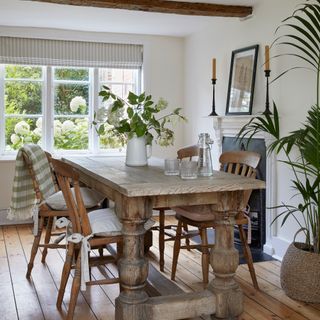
column 100, row 250
column 205, row 254
column 176, row 250
column 185, row 228
column 248, row 256
column 65, row 274
column 47, row 238
column 35, row 247
column 75, row 289
column 161, row 239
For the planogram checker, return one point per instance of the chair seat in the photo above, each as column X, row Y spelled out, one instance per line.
column 91, row 199
column 105, row 223
column 199, row 213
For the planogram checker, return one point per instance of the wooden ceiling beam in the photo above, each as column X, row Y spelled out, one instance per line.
column 175, row 7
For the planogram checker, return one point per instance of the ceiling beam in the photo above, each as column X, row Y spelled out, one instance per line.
column 176, row 7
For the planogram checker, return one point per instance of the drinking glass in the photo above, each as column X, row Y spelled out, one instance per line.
column 189, row 169
column 171, row 167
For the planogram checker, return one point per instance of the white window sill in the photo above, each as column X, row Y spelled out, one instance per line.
column 112, row 153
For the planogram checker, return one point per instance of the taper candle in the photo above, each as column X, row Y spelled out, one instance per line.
column 214, row 73
column 267, row 57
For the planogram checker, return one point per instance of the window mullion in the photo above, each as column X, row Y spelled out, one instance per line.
column 95, row 101
column 48, row 110
column 2, row 111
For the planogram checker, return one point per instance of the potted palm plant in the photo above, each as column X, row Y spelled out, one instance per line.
column 300, row 269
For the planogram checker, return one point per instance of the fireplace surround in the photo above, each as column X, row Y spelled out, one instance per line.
column 228, row 127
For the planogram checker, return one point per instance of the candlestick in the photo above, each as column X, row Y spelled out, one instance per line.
column 267, row 111
column 214, row 70
column 213, row 112
column 267, row 57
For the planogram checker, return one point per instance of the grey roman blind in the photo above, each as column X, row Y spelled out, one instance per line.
column 69, row 53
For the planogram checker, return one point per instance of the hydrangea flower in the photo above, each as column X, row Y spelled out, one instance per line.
column 37, row 132
column 39, row 123
column 166, row 138
column 162, row 104
column 67, row 125
column 22, row 128
column 14, row 138
column 76, row 103
column 57, row 131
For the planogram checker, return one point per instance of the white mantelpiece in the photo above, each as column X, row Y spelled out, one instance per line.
column 229, row 126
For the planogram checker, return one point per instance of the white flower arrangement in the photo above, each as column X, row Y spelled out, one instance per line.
column 22, row 128
column 76, row 103
column 67, row 125
column 15, row 138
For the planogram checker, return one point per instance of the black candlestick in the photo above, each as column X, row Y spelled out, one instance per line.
column 267, row 111
column 213, row 112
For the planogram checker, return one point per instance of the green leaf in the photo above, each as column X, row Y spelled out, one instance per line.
column 141, row 97
column 101, row 130
column 141, row 130
column 130, row 112
column 132, row 98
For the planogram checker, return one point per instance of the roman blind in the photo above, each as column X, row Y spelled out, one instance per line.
column 69, row 53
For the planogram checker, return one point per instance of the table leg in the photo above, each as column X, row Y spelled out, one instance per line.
column 133, row 266
column 224, row 260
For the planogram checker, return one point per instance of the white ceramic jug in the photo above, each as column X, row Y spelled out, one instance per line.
column 137, row 152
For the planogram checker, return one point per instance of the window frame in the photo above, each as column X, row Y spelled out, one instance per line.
column 48, row 113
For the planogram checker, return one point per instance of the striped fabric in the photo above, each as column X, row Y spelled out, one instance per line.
column 70, row 53
column 23, row 202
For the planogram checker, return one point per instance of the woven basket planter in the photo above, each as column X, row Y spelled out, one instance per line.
column 300, row 274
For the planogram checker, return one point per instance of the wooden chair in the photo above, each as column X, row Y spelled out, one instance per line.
column 99, row 227
column 242, row 163
column 164, row 230
column 49, row 208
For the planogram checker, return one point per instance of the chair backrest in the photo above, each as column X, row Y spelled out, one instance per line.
column 68, row 179
column 188, row 152
column 243, row 163
column 29, row 165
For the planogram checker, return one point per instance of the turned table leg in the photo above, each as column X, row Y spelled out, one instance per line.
column 133, row 266
column 224, row 260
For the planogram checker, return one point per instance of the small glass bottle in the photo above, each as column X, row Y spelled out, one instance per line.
column 204, row 160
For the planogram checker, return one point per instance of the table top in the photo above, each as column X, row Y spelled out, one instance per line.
column 151, row 181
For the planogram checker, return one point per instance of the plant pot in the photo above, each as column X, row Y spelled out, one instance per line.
column 136, row 153
column 300, row 274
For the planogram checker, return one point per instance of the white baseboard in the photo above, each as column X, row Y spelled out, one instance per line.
column 280, row 247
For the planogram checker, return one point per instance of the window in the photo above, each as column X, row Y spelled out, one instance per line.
column 120, row 81
column 54, row 106
column 23, row 105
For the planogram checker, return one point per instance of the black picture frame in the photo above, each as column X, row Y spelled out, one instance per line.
column 242, row 80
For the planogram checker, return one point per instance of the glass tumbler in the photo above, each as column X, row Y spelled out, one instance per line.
column 189, row 169
column 171, row 167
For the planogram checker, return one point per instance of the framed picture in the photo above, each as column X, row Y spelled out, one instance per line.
column 241, row 80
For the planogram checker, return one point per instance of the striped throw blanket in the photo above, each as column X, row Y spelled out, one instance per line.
column 23, row 202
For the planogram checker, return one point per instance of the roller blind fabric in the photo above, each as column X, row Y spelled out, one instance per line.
column 69, row 53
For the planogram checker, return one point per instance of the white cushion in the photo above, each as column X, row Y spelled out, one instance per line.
column 104, row 223
column 90, row 198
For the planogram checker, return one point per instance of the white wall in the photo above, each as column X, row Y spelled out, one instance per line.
column 294, row 93
column 163, row 77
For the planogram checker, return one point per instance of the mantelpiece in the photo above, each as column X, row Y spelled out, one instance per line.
column 229, row 126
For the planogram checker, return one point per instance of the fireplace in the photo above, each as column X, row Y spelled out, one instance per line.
column 257, row 200
column 225, row 129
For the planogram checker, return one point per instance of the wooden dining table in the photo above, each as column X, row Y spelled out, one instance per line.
column 136, row 191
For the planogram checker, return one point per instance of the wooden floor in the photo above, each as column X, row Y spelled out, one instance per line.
column 35, row 299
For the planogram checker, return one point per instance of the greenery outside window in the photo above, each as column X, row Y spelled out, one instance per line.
column 54, row 106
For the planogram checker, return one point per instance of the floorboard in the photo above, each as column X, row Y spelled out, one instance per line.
column 35, row 299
